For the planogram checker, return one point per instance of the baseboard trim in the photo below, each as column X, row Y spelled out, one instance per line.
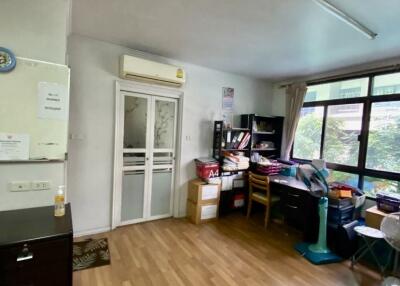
column 181, row 215
column 92, row 231
column 106, row 229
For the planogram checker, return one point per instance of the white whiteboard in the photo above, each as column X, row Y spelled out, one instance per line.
column 23, row 109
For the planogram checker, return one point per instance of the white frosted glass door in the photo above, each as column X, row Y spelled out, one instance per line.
column 148, row 156
column 136, row 126
column 163, row 155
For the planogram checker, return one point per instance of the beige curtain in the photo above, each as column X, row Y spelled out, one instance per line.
column 295, row 94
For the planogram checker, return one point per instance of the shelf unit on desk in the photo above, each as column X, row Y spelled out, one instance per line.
column 220, row 140
column 263, row 128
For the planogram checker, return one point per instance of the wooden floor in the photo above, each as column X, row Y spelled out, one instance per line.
column 230, row 251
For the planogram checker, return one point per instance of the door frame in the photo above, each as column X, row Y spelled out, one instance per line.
column 122, row 86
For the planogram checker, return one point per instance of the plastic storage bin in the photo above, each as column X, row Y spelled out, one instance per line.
column 388, row 202
column 340, row 215
column 337, row 202
column 207, row 168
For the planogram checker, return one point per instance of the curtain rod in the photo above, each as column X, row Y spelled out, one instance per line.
column 394, row 67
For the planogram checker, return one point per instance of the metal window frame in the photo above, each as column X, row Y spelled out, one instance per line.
column 367, row 102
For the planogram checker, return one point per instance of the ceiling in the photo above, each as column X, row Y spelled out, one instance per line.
column 271, row 39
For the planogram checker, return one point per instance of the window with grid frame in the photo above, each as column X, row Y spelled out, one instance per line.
column 354, row 124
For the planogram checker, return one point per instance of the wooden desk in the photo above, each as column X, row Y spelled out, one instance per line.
column 291, row 182
column 299, row 205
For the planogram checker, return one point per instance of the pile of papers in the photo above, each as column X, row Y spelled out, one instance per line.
column 234, row 162
column 269, row 168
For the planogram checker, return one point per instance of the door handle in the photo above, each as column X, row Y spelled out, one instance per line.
column 29, row 256
column 294, row 195
column 292, row 207
column 25, row 255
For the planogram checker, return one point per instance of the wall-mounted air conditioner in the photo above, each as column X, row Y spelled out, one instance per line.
column 134, row 68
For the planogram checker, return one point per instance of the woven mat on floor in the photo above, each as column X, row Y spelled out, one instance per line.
column 90, row 253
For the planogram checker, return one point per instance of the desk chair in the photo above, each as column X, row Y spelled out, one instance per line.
column 259, row 191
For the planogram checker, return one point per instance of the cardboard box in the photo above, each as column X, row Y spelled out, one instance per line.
column 200, row 192
column 201, row 213
column 374, row 217
column 232, row 181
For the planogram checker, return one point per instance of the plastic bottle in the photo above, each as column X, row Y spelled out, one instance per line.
column 59, row 202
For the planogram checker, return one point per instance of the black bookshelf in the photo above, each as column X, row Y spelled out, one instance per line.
column 264, row 128
column 221, row 135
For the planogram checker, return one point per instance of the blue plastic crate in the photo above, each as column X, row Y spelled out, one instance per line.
column 340, row 215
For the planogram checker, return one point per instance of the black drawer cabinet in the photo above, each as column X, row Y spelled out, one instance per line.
column 35, row 248
column 294, row 207
column 299, row 206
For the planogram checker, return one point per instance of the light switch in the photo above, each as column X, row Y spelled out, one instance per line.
column 20, row 186
column 41, row 185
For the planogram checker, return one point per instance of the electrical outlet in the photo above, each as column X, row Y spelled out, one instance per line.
column 20, row 186
column 41, row 185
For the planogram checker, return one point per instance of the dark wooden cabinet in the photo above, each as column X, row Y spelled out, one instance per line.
column 35, row 247
column 299, row 206
column 294, row 207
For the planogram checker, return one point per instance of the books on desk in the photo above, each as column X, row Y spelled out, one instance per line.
column 234, row 162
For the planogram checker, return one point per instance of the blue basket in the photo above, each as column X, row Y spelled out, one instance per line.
column 289, row 171
column 340, row 215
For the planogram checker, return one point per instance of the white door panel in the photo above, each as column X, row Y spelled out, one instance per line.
column 148, row 138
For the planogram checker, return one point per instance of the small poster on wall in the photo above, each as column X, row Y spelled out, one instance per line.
column 14, row 146
column 227, row 98
column 52, row 101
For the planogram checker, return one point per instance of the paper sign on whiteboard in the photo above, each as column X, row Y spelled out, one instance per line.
column 14, row 146
column 208, row 212
column 209, row 192
column 52, row 101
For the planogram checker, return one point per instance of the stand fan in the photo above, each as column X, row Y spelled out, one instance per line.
column 390, row 227
column 319, row 253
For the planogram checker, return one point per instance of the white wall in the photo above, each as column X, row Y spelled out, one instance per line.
column 35, row 29
column 278, row 106
column 94, row 69
column 38, row 30
column 29, row 172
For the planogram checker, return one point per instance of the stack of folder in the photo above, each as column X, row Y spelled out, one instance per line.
column 234, row 162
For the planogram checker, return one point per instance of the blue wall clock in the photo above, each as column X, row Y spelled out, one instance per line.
column 7, row 60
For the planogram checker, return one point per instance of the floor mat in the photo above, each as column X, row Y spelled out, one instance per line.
column 90, row 253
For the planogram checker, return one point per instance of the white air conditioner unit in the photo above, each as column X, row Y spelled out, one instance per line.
column 134, row 68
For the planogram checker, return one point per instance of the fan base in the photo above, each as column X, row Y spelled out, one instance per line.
column 317, row 258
